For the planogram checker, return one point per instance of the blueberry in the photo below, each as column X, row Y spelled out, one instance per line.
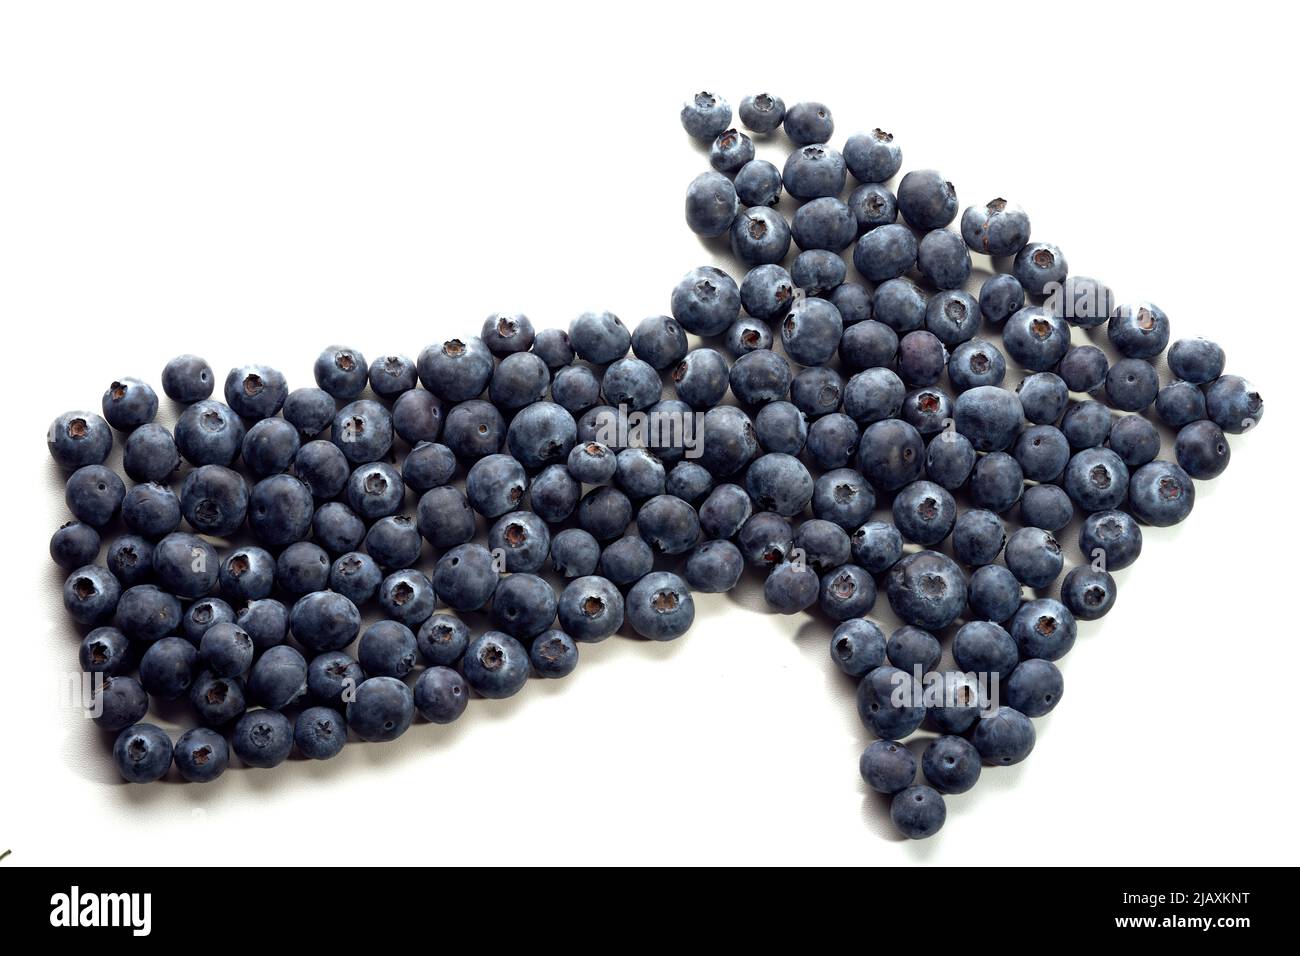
column 951, row 764
column 873, row 157
column 320, row 733
column 214, row 499
column 394, row 542
column 143, row 753
column 705, row 115
column 887, row 766
column 1096, row 479
column 506, row 334
column 824, row 544
column 257, row 391
column 985, row 648
column 668, row 524
column 762, row 112
column 1038, row 266
column 310, row 410
column 889, row 703
column 1132, row 384
column 994, row 593
column 149, row 453
column 658, row 342
column 418, row 414
column 728, row 440
column 813, row 171
column 496, row 665
column 541, row 434
column 1082, row 301
column 809, row 122
column 187, row 379
column 873, row 205
column 811, row 332
column 627, row 560
column 1180, row 403
column 843, row 497
column 1035, row 688
column 144, row 613
column 891, row 454
column 928, row 410
column 791, row 587
column 911, row 647
column 186, row 565
column 958, row 702
column 766, row 292
column 324, row 621
column 756, row 378
column 926, row 200
column 759, row 236
column 262, row 738
column 118, row 703
column 1005, row 737
column 441, row 695
column 167, row 667
column 94, row 494
column 1161, row 494
column 495, row 485
column 724, row 511
column 832, row 440
column 105, row 650
column 701, row 378
column 1233, row 404
column 575, row 389
column 885, row 252
column 921, row 358
column 129, row 403
column 1089, row 594
column 599, row 337
column 442, row 640
column 997, row 482
column 924, row 513
column 1138, row 331
column 873, row 395
column 552, row 347
column 954, row 316
column 322, row 467
column 876, row 546
column 520, row 379
column 266, row 621
column 466, row 577
column 998, row 228
column 1198, row 361
column 590, row 609
column 780, row 483
column 758, row 184
column 523, row 605
column 1112, row 536
column 1084, row 368
column 226, row 649
column 1202, row 449
column 949, row 459
column 363, row 431
column 1047, row 507
column 387, row 649
column 334, row 675
column 1036, row 339
column 391, row 375
column 858, row 646
column 927, row 589
column 202, row 614
column 605, row 513
column 640, row 475
column 1034, row 557
column 523, row 539
column 853, row 300
column 1086, row 424
column 76, row 439
column 201, row 755
column 1042, row 451
column 1044, row 628
column 456, row 370
column 1001, row 297
column 989, row 416
column 337, row 528
column 217, row 700
column 280, row 510
column 574, row 553
column 978, row 537
column 943, row 258
column 382, row 709
column 818, row 272
column 900, row 304
column 689, row 481
column 730, row 151
column 341, row 371
column 714, row 567
column 659, row 606
column 270, row 447
column 428, row 465
column 375, row 490
column 825, row 223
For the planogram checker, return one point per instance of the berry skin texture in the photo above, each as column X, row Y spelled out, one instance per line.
column 1044, row 628
column 1088, row 594
column 1198, row 361
column 1034, row 557
column 853, row 299
column 129, row 403
column 809, row 122
column 924, row 513
column 991, row 417
column 705, row 302
column 998, row 228
column 748, row 335
column 790, row 588
column 951, row 764
column 891, row 454
column 1084, row 368
column 857, row 647
column 1043, row 452
column 574, row 553
column 762, row 112
column 330, row 674
column 927, row 200
column 186, row 565
column 994, row 593
column 843, row 497
column 225, row 649
column 705, row 115
column 1043, row 396
column 888, row 715
column 262, row 738
column 496, row 665
column 996, row 483
column 873, row 157
column 954, row 317
column 984, row 647
column 714, row 567
column 668, row 524
column 144, row 612
column 1001, row 297
column 887, row 766
column 201, row 755
column 541, row 434
column 1086, row 424
column 214, row 499
column 118, row 703
column 1202, row 450
column 523, row 605
column 910, row 647
column 660, row 607
column 876, row 546
column 149, row 453
column 918, row 812
column 94, row 494
column 758, row 184
column 363, row 431
column 1180, row 403
column 811, row 332
column 1138, row 331
column 1135, row 440
column 387, row 649
column 441, row 695
column 949, row 459
column 1096, row 480
column 1038, row 266
column 442, row 640
column 391, row 375
column 1082, row 301
column 418, row 414
column 320, row 733
column 1005, row 737
column 825, row 223
column 76, row 439
column 818, row 271
column 74, row 545
column 766, row 292
column 759, row 236
column 217, row 700
column 310, row 410
column 591, row 609
column 1233, row 404
column 187, row 379
column 552, row 347
column 779, row 483
column 382, row 710
column 730, row 151
column 1161, row 494
column 846, row 592
column 1035, row 688
column 921, row 358
column 266, row 621
column 873, row 205
column 143, row 753
column 1047, row 507
column 456, row 370
column 324, row 621
column 280, row 510
column 659, row 341
column 885, row 252
column 943, row 258
column 927, row 589
column 812, row 171
column 341, row 371
column 1036, row 339
column 1132, row 384
column 270, row 446
column 873, row 395
column 1112, row 536
column 279, row 678
column 257, row 391
column 978, row 537
column 701, row 378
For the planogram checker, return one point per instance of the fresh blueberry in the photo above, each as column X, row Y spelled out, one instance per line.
column 824, row 544
column 705, row 115
column 954, row 316
column 924, row 513
column 496, row 665
column 428, row 465
column 269, row 447
column 226, row 649
column 1198, row 361
column 1001, row 297
column 375, row 490
column 660, row 607
column 505, row 334
column 926, row 200
column 921, row 358
column 1086, row 424
column 978, row 537
column 217, row 700
column 214, row 499
column 1038, row 266
column 876, row 546
column 262, row 738
column 627, row 560
column 780, row 483
column 130, row 558
column 891, row 454
column 790, row 587
column 759, row 236
column 310, row 410
column 813, row 171
column 843, row 497
column 858, row 646
column 324, row 621
column 394, row 542
column 762, row 112
column 118, row 703
column 832, row 440
column 996, row 483
column 887, row 766
column 873, row 157
column 900, row 304
column 951, row 764
column 76, row 439
column 998, row 228
column 927, row 589
column 332, row 676
column 523, row 539
column 590, row 609
column 341, row 371
column 873, row 395
column 605, row 513
column 728, row 440
column 442, row 639
column 1035, row 688
column 592, row 463
column 387, row 649
column 1084, row 368
column 781, row 427
column 1047, row 507
column 1036, row 339
column 1088, row 593
column 730, row 151
column 74, row 545
column 826, row 223
column 811, row 332
column 889, row 703
column 279, row 678
column 257, row 391
column 337, row 528
column 599, row 337
column 1112, row 536
column 201, row 755
column 552, row 347
column 756, row 378
column 520, row 379
column 640, row 475
column 958, row 704
column 985, row 648
column 1043, row 452
column 1096, row 479
column 767, row 292
column 1138, row 331
column 1233, row 404
column 758, row 183
column 1005, row 737
column 1080, row 300
column 382, row 709
column 994, row 593
column 724, row 511
column 456, row 370
column 574, row 389
column 418, row 414
column 989, row 416
column 203, row 614
column 689, row 481
column 495, row 485
column 129, row 403
column 809, row 122
column 885, row 252
column 574, row 553
column 280, row 510
column 209, row 433
column 363, row 430
column 1161, row 494
column 1180, row 403
column 145, row 613
column 1044, row 628
column 94, row 494
column 928, row 410
column 143, row 753
column 873, row 205
column 748, row 335
column 1034, row 557
column 149, row 453
column 1202, row 449
column 391, row 375
column 186, row 565
column 949, row 459
column 523, row 605
column 320, row 733
column 466, row 577
column 911, row 647
column 441, row 695
column 541, row 434
column 818, row 272
column 854, row 302
column 187, row 379
column 1132, row 384
column 266, row 621
column 714, row 567
column 167, row 667
column 658, row 342
column 701, row 378
column 943, row 258
column 668, row 524
column 322, row 467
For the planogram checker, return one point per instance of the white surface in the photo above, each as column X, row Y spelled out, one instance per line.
column 256, row 181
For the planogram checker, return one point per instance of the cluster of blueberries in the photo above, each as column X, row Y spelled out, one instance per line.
column 538, row 434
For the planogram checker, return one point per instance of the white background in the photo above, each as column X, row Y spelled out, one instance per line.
column 253, row 181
